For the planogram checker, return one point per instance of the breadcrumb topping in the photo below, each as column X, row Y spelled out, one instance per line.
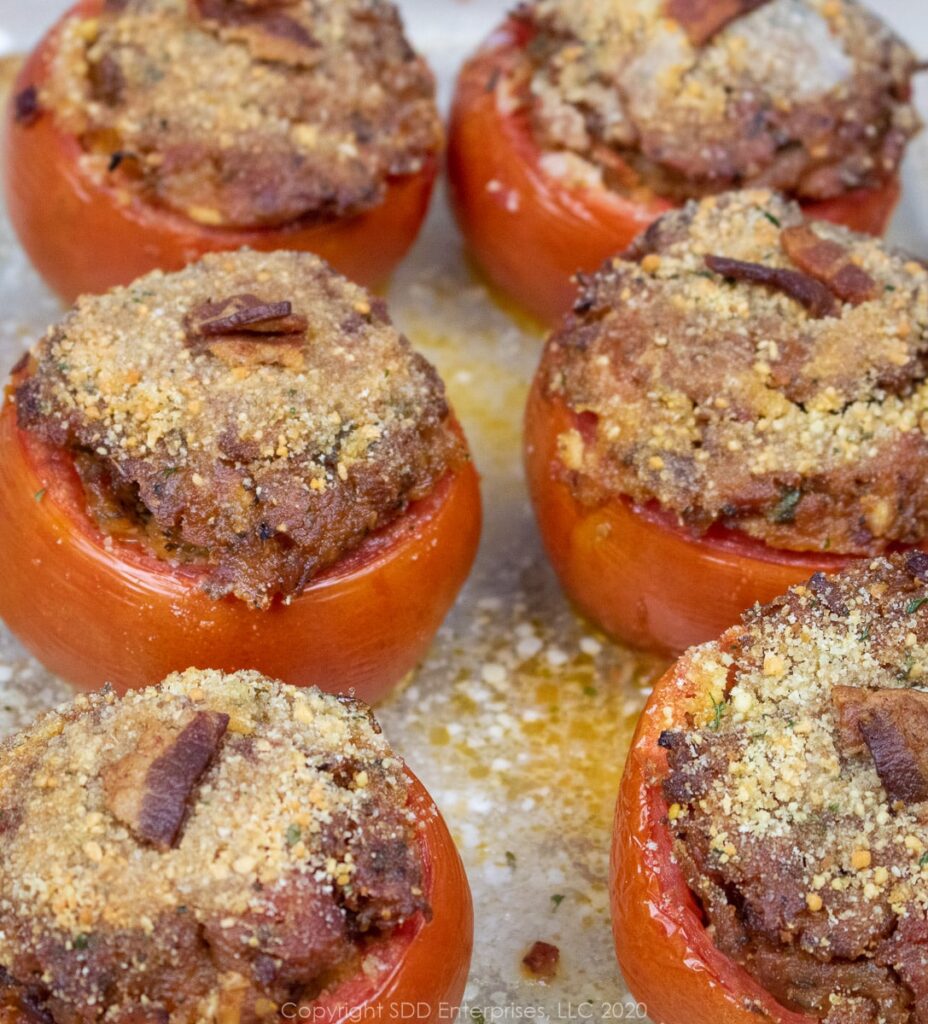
column 296, row 844
column 787, row 821
column 245, row 112
column 256, row 414
column 708, row 381
column 810, row 96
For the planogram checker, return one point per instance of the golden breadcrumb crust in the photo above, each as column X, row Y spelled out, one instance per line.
column 722, row 380
column 245, row 112
column 257, row 414
column 290, row 851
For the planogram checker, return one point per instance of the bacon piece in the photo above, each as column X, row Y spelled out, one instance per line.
column 542, row 960
column 893, row 726
column 263, row 25
column 245, row 352
column 810, row 293
column 149, row 789
column 245, row 331
column 702, row 19
column 244, row 314
column 829, row 263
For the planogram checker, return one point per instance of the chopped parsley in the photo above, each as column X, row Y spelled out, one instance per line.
column 81, row 941
column 511, row 859
column 785, row 509
column 556, row 900
column 294, row 833
column 912, row 607
column 775, row 221
column 39, row 495
column 718, row 711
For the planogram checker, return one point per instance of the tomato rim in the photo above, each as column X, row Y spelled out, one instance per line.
column 127, row 620
column 642, row 853
column 435, row 844
column 616, row 559
column 63, row 489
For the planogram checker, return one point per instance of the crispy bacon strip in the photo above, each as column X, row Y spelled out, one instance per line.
column 246, row 314
column 810, row 293
column 241, row 315
column 263, row 16
column 702, row 19
column 149, row 789
column 893, row 726
column 829, row 263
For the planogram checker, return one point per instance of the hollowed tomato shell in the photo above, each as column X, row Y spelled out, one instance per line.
column 527, row 230
column 423, row 965
column 427, row 961
column 94, row 609
column 667, row 957
column 83, row 236
column 633, row 570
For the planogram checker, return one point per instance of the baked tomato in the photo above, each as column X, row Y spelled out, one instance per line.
column 84, row 236
column 424, row 963
column 96, row 609
column 421, row 968
column 633, row 570
column 527, row 230
column 665, row 952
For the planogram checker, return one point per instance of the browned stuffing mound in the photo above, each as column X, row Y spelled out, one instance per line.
column 746, row 367
column 246, row 112
column 685, row 97
column 257, row 414
column 798, row 793
column 203, row 850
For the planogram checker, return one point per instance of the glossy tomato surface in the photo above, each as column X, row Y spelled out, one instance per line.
column 667, row 957
column 632, row 570
column 85, row 236
column 94, row 609
column 425, row 962
column 529, row 231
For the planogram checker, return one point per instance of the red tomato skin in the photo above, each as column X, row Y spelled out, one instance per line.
column 82, row 236
column 665, row 953
column 95, row 611
column 527, row 231
column 632, row 571
column 428, row 978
